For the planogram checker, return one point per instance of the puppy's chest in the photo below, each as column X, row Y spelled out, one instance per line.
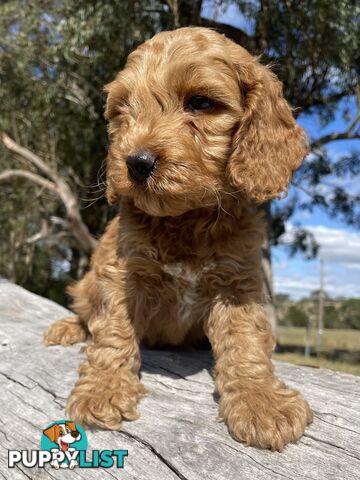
column 187, row 283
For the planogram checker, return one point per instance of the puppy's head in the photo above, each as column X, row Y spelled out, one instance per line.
column 64, row 433
column 193, row 116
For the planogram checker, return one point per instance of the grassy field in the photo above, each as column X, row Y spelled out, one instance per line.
column 331, row 339
column 318, row 362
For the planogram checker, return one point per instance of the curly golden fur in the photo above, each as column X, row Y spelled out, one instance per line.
column 183, row 259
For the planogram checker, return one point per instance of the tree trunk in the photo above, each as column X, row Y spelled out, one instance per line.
column 266, row 264
column 268, row 285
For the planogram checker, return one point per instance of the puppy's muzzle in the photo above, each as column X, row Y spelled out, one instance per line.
column 140, row 165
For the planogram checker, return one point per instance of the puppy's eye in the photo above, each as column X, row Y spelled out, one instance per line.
column 198, row 103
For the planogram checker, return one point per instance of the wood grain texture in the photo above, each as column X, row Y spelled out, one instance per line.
column 177, row 436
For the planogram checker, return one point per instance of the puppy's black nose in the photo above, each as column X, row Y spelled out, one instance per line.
column 140, row 164
column 74, row 433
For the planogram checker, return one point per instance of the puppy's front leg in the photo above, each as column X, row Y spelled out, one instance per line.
column 109, row 387
column 258, row 408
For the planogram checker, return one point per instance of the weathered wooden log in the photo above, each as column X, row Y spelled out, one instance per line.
column 177, row 435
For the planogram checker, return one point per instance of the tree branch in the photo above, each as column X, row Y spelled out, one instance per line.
column 332, row 137
column 10, row 173
column 42, row 234
column 260, row 30
column 174, row 7
column 235, row 34
column 26, row 154
column 305, row 190
column 76, row 225
column 306, row 101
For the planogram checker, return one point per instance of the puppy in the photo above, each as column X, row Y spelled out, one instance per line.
column 200, row 135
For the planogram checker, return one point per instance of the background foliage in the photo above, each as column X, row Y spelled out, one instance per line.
column 340, row 313
column 55, row 57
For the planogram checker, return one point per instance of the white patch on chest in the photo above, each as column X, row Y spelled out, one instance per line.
column 186, row 280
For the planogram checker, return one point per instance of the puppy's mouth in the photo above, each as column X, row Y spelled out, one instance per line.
column 64, row 446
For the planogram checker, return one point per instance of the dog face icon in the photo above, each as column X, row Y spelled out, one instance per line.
column 65, row 440
column 63, row 434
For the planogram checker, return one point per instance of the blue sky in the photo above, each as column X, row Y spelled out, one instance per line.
column 339, row 243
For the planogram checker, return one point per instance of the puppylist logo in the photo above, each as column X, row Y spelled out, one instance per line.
column 64, row 445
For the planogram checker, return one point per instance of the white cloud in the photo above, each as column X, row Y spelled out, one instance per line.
column 336, row 245
column 300, row 286
column 303, row 215
column 340, row 250
column 295, row 287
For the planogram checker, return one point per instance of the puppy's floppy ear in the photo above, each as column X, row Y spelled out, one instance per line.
column 111, row 104
column 115, row 92
column 71, row 425
column 52, row 432
column 268, row 145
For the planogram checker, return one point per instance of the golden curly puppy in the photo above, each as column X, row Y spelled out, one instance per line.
column 200, row 134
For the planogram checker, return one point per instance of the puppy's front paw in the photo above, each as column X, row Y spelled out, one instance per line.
column 101, row 403
column 65, row 332
column 268, row 418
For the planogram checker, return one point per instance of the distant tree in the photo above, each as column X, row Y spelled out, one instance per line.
column 332, row 318
column 296, row 317
column 55, row 58
column 281, row 298
column 349, row 312
column 314, row 295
